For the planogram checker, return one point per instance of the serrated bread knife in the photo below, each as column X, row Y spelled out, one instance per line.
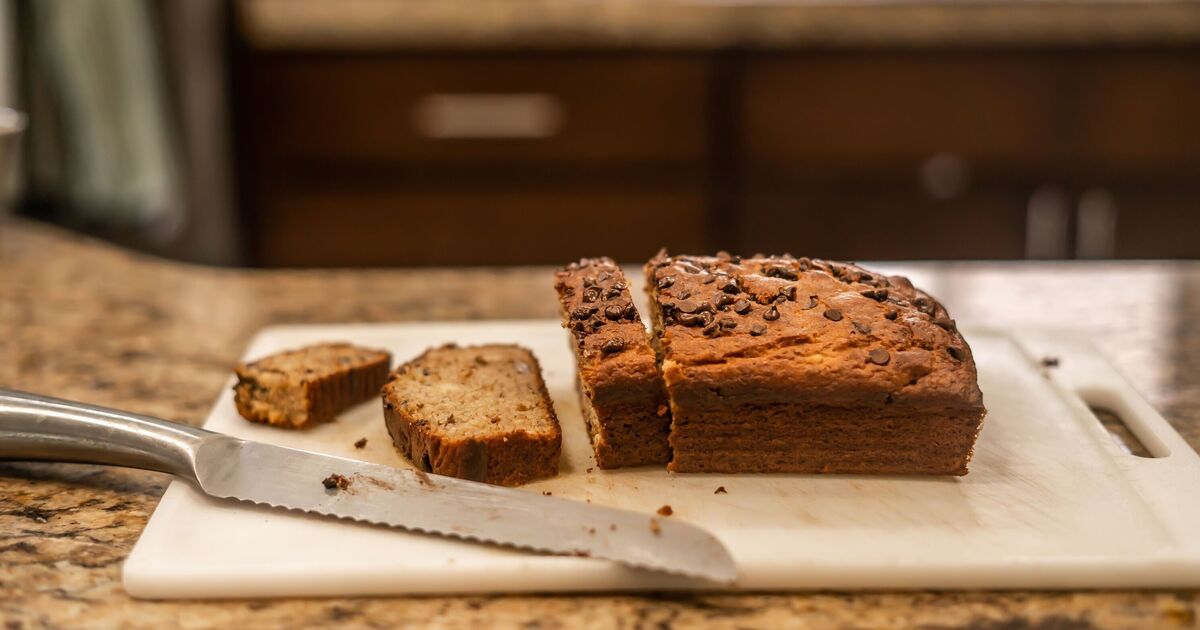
column 47, row 429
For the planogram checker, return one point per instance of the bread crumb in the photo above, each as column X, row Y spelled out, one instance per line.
column 546, row 493
column 662, row 410
column 720, row 490
column 665, row 510
column 335, row 481
column 655, row 528
column 362, row 442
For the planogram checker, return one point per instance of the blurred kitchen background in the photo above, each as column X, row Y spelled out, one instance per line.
column 470, row 132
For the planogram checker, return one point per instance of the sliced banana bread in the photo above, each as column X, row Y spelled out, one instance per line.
column 620, row 391
column 313, row 384
column 479, row 413
column 779, row 364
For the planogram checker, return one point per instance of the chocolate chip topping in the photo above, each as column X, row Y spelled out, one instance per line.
column 591, row 294
column 832, row 314
column 812, row 303
column 688, row 306
column 780, row 271
column 955, row 353
column 703, row 318
column 771, row 314
column 742, row 306
column 757, row 329
column 945, row 323
column 612, row 346
column 582, row 312
column 925, row 305
column 614, row 311
column 862, row 328
column 722, row 299
column 789, row 292
column 665, row 282
column 727, row 323
column 879, row 356
column 892, row 314
column 729, row 285
column 879, row 295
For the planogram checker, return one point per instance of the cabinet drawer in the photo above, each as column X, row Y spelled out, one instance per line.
column 494, row 108
column 877, row 110
column 316, row 228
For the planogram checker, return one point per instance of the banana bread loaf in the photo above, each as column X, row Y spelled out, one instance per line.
column 479, row 413
column 778, row 364
column 620, row 391
column 302, row 387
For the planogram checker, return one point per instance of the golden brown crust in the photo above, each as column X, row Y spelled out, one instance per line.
column 499, row 456
column 302, row 387
column 740, row 332
column 619, row 384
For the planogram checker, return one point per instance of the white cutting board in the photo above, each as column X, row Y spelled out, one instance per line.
column 1051, row 500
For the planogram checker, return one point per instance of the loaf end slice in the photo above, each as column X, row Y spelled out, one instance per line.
column 480, row 413
column 620, row 390
column 302, row 387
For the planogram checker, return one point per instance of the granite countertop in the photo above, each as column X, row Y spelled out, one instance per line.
column 86, row 321
column 713, row 24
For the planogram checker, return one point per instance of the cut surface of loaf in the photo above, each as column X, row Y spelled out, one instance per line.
column 620, row 391
column 480, row 413
column 302, row 387
column 779, row 364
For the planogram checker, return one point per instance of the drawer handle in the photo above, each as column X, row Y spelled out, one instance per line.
column 488, row 116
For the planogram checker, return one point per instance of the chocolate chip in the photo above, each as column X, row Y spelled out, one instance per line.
column 712, row 330
column 709, row 279
column 702, row 318
column 612, row 292
column 630, row 311
column 722, row 299
column 925, row 305
column 742, row 306
column 688, row 306
column 805, row 263
column 614, row 311
column 620, row 286
column 727, row 323
column 688, row 267
column 789, row 292
column 832, row 314
column 945, row 323
column 589, row 281
column 955, row 353
column 812, row 303
column 757, row 329
column 780, row 271
column 597, row 324
column 583, row 312
column 862, row 328
column 864, row 277
column 892, row 314
column 729, row 286
column 879, row 356
column 604, row 277
column 612, row 346
column 735, row 259
column 771, row 314
column 591, row 294
column 665, row 282
column 879, row 295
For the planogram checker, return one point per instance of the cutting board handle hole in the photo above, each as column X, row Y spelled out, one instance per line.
column 1120, row 432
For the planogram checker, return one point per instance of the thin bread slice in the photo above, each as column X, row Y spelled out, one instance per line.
column 620, row 390
column 480, row 413
column 299, row 388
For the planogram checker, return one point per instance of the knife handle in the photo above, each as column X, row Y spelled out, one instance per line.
column 41, row 428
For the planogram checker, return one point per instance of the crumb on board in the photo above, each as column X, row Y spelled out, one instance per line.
column 612, row 527
column 1049, row 361
column 589, row 470
column 335, row 481
column 362, row 442
column 665, row 511
column 720, row 490
column 547, row 493
column 655, row 528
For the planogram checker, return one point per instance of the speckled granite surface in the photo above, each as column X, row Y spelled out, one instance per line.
column 714, row 24
column 83, row 320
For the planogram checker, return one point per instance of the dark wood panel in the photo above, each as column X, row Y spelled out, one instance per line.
column 883, row 224
column 879, row 109
column 476, row 227
column 362, row 107
column 1156, row 223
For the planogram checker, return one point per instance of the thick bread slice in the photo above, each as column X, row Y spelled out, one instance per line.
column 479, row 413
column 620, row 391
column 302, row 387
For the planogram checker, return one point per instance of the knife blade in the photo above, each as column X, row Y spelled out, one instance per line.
column 41, row 428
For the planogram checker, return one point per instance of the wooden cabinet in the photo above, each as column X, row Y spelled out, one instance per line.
column 411, row 158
